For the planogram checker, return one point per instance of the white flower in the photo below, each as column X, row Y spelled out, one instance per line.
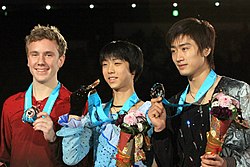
column 231, row 107
column 140, row 127
column 215, row 104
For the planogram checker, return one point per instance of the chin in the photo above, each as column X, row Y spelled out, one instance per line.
column 183, row 73
column 41, row 79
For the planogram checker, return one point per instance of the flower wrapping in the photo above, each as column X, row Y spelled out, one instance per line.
column 133, row 138
column 224, row 110
column 215, row 137
column 126, row 146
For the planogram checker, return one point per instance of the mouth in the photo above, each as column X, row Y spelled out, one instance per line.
column 181, row 66
column 41, row 69
column 112, row 79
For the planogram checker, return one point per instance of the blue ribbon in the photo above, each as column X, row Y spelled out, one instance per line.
column 50, row 102
column 206, row 85
column 98, row 115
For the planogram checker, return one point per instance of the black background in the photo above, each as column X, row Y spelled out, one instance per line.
column 87, row 30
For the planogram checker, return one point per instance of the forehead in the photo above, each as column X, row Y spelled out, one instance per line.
column 111, row 58
column 182, row 40
column 43, row 43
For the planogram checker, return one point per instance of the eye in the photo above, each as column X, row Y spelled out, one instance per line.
column 49, row 55
column 104, row 64
column 184, row 49
column 118, row 62
column 34, row 54
column 173, row 51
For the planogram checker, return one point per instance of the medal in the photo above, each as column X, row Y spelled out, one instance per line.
column 30, row 112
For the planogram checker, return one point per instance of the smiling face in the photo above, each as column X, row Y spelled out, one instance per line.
column 44, row 61
column 117, row 74
column 188, row 59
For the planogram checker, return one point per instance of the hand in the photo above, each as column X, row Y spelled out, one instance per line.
column 210, row 159
column 78, row 101
column 45, row 124
column 157, row 114
column 2, row 164
column 79, row 98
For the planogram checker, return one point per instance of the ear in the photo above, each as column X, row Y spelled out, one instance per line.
column 27, row 61
column 133, row 74
column 206, row 52
column 61, row 61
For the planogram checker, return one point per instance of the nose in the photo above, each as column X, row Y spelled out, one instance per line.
column 41, row 60
column 179, row 56
column 111, row 68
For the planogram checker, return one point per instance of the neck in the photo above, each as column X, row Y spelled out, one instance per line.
column 41, row 91
column 120, row 97
column 195, row 82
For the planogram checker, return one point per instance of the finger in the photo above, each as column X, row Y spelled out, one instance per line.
column 210, row 160
column 41, row 122
column 210, row 156
column 204, row 165
column 156, row 112
column 44, row 114
column 153, row 112
column 41, row 127
column 156, row 100
column 43, row 119
column 159, row 107
column 218, row 160
column 44, row 129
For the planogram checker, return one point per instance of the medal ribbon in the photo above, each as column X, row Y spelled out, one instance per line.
column 206, row 85
column 99, row 115
column 50, row 102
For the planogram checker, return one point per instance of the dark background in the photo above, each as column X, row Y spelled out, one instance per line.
column 87, row 30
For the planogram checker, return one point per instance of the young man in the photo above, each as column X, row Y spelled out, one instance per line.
column 122, row 64
column 180, row 133
column 29, row 119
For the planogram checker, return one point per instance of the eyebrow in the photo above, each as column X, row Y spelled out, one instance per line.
column 181, row 45
column 49, row 52
column 46, row 52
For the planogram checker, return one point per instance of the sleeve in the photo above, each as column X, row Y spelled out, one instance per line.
column 162, row 147
column 145, row 108
column 243, row 157
column 5, row 138
column 237, row 142
column 76, row 140
column 56, row 149
column 163, row 144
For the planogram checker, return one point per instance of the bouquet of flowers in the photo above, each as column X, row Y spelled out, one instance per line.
column 224, row 109
column 133, row 138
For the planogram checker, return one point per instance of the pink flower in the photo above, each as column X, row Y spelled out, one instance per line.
column 236, row 103
column 130, row 119
column 219, row 95
column 131, row 111
column 224, row 101
column 224, row 107
column 139, row 114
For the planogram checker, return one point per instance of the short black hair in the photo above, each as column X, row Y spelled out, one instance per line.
column 201, row 31
column 127, row 51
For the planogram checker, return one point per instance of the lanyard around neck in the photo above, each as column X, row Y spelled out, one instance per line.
column 50, row 102
column 99, row 115
column 206, row 85
column 132, row 100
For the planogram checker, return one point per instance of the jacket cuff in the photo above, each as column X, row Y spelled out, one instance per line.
column 230, row 161
column 165, row 133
